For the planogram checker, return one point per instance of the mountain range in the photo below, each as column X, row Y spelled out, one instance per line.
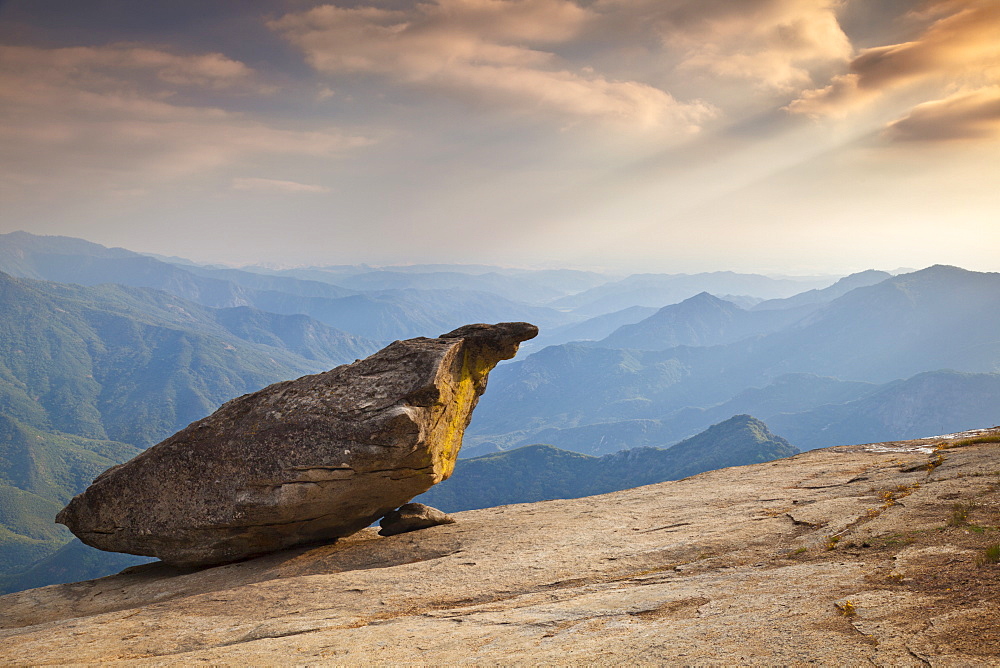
column 382, row 315
column 658, row 290
column 811, row 411
column 105, row 351
column 940, row 319
column 540, row 472
column 701, row 320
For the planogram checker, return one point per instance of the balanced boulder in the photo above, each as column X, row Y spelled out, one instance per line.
column 300, row 461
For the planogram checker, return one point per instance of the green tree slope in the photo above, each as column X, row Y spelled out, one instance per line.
column 539, row 472
column 91, row 375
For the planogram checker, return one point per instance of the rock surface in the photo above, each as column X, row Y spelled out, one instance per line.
column 301, row 461
column 412, row 517
column 730, row 567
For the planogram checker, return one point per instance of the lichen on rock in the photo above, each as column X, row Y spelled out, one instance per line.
column 300, row 461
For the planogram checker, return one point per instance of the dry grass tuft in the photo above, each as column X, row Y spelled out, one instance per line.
column 986, row 438
column 960, row 513
column 990, row 555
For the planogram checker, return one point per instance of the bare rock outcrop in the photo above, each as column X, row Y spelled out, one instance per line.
column 846, row 556
column 300, row 461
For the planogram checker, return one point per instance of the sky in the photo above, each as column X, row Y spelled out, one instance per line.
column 791, row 136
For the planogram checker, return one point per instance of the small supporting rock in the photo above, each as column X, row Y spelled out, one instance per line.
column 412, row 517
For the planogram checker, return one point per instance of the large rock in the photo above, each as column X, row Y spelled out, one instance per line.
column 300, row 461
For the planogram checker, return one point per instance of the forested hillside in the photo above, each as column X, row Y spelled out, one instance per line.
column 539, row 472
column 91, row 375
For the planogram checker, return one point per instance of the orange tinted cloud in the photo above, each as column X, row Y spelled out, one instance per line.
column 486, row 52
column 960, row 45
column 773, row 43
column 209, row 70
column 109, row 114
column 966, row 115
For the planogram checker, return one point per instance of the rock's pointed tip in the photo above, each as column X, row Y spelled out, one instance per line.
column 502, row 332
column 67, row 516
column 498, row 342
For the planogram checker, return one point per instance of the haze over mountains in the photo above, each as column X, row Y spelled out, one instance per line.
column 662, row 289
column 638, row 383
column 105, row 351
column 383, row 315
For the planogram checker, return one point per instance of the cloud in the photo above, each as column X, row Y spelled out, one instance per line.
column 842, row 96
column 112, row 116
column 275, row 186
column 775, row 44
column 92, row 63
column 966, row 115
column 486, row 52
column 961, row 44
